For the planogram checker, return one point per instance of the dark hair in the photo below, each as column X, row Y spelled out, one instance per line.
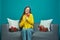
column 24, row 13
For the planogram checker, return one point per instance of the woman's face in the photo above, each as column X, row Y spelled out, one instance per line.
column 27, row 10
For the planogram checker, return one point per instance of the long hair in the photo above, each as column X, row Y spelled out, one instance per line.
column 24, row 13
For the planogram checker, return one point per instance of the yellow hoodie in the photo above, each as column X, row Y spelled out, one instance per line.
column 27, row 24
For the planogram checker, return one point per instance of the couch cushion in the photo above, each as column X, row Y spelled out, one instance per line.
column 42, row 34
column 36, row 25
column 14, row 34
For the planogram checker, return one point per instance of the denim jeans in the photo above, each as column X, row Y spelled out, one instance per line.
column 27, row 34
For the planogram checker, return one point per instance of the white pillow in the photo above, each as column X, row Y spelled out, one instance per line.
column 13, row 23
column 46, row 23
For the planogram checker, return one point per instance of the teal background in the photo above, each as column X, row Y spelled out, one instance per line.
column 0, row 19
column 59, row 17
column 0, row 11
column 41, row 9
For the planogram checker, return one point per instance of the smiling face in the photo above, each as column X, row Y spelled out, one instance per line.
column 27, row 10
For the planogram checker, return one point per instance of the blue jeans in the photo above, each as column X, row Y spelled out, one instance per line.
column 27, row 34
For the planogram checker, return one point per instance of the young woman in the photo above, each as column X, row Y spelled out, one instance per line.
column 27, row 22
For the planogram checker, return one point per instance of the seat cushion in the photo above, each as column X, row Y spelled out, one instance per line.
column 43, row 34
column 14, row 34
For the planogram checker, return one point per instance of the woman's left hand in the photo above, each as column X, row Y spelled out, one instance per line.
column 26, row 18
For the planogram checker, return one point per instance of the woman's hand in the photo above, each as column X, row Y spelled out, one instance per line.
column 26, row 18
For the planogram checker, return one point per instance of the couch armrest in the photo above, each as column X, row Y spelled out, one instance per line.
column 5, row 27
column 4, row 32
column 54, row 28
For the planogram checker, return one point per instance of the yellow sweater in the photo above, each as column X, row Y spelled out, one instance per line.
column 25, row 24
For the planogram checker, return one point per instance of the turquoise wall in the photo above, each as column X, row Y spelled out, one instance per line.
column 0, row 11
column 59, row 18
column 41, row 9
column 0, row 19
